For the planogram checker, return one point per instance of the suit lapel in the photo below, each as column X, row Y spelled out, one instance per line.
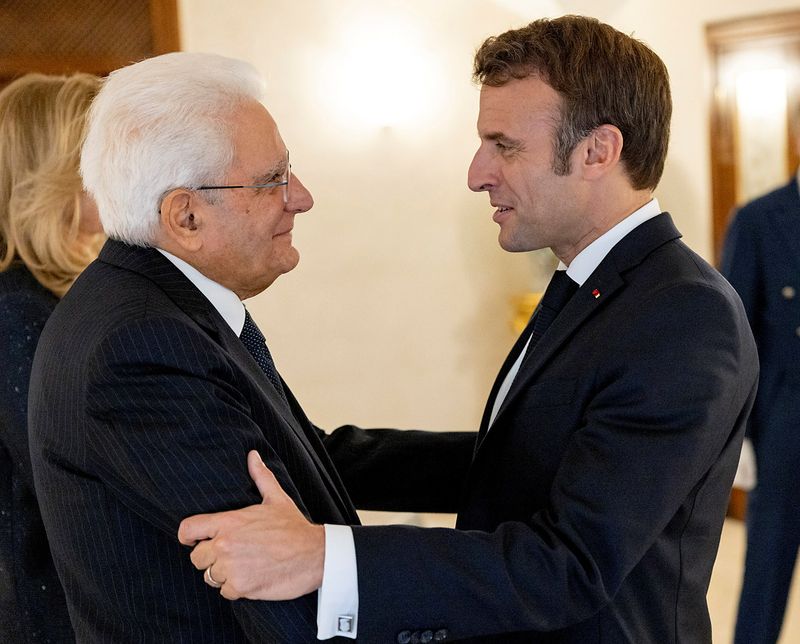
column 151, row 264
column 582, row 305
column 296, row 420
column 601, row 287
column 511, row 358
column 330, row 474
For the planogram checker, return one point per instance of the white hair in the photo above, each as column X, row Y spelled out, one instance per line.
column 160, row 124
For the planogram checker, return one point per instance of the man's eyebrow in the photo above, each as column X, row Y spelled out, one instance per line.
column 501, row 138
column 277, row 169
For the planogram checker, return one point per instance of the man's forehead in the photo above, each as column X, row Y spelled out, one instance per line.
column 258, row 146
column 517, row 104
column 250, row 119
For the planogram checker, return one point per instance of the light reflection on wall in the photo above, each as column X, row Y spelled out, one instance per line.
column 381, row 73
column 761, row 126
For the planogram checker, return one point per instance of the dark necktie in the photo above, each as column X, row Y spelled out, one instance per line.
column 560, row 289
column 253, row 340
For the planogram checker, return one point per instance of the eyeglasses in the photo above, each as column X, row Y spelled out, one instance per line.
column 285, row 183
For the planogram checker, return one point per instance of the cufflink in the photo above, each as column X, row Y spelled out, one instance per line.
column 344, row 624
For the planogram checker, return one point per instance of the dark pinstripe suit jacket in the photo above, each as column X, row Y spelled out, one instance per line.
column 143, row 405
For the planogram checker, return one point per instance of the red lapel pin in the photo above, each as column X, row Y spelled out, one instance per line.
column 596, row 293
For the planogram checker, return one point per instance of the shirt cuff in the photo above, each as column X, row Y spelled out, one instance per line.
column 337, row 598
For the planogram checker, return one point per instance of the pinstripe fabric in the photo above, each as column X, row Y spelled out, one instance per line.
column 143, row 405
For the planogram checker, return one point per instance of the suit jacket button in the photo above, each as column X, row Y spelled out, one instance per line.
column 797, row 331
column 426, row 636
column 441, row 635
column 788, row 292
column 404, row 637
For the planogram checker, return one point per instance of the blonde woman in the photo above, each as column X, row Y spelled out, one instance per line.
column 49, row 232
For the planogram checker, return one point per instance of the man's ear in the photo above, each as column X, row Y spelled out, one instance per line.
column 603, row 148
column 179, row 221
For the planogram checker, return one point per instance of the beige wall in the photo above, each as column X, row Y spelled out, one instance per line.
column 399, row 311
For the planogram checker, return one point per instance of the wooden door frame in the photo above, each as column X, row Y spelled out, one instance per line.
column 723, row 38
column 165, row 34
column 164, row 23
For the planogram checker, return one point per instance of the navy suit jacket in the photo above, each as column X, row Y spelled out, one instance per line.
column 143, row 406
column 761, row 259
column 595, row 502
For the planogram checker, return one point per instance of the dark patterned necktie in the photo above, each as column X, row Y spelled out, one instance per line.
column 253, row 340
column 560, row 289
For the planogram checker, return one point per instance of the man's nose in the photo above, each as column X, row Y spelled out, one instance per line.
column 299, row 198
column 479, row 176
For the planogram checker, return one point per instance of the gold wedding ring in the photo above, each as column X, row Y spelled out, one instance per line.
column 210, row 580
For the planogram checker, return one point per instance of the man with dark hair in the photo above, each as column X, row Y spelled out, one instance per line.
column 595, row 500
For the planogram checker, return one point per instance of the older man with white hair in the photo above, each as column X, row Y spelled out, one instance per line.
column 151, row 381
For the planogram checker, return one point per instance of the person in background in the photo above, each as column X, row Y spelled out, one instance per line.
column 761, row 259
column 49, row 232
column 594, row 504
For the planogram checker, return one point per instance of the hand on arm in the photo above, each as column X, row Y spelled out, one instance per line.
column 268, row 551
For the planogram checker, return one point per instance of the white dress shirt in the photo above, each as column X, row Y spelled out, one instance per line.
column 227, row 303
column 582, row 266
column 340, row 538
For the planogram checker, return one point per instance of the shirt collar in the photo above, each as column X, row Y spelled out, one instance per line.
column 590, row 257
column 225, row 301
